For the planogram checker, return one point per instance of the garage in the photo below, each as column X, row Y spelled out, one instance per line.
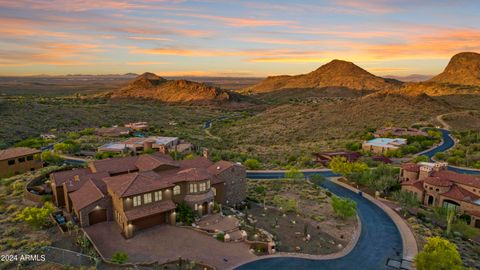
column 97, row 216
column 149, row 221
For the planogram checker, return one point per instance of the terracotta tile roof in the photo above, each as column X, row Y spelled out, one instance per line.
column 136, row 183
column 191, row 174
column 417, row 184
column 17, row 152
column 220, row 166
column 463, row 179
column 115, row 165
column 437, row 181
column 64, row 176
column 199, row 162
column 411, row 167
column 460, row 194
column 75, row 184
column 86, row 195
column 149, row 209
column 152, row 162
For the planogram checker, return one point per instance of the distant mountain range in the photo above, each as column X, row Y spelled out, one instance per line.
column 336, row 73
column 462, row 75
column 410, row 78
column 151, row 86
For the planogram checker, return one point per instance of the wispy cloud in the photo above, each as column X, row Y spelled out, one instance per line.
column 146, row 63
column 237, row 21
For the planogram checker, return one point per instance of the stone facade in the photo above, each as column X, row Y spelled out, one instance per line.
column 235, row 184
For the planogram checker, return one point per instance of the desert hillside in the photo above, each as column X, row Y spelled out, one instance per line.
column 337, row 73
column 463, row 68
column 151, row 86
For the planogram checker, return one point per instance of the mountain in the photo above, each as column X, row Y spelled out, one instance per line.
column 463, row 68
column 410, row 78
column 337, row 73
column 151, row 86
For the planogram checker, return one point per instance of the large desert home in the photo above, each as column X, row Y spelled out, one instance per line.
column 19, row 160
column 138, row 192
column 435, row 185
column 382, row 145
column 138, row 145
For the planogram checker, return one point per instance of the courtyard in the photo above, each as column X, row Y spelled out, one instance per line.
column 165, row 243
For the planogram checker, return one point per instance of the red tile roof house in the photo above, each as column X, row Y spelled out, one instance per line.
column 434, row 185
column 19, row 160
column 142, row 191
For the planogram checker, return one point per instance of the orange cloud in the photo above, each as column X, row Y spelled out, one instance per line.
column 238, row 22
column 150, row 38
column 145, row 63
column 371, row 6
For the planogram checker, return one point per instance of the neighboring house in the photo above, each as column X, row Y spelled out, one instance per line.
column 325, row 157
column 434, row 185
column 113, row 131
column 382, row 145
column 399, row 132
column 137, row 126
column 135, row 144
column 142, row 191
column 19, row 160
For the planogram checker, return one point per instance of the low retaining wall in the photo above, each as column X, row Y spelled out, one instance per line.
column 36, row 198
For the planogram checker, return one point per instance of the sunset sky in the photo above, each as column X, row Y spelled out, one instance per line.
column 233, row 38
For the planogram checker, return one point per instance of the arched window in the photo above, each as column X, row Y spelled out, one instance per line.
column 176, row 190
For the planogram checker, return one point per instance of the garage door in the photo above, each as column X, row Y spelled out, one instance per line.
column 150, row 221
column 97, row 216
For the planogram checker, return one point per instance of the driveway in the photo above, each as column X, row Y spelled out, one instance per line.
column 164, row 242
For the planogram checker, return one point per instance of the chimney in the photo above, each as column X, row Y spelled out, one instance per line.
column 147, row 145
column 205, row 153
column 163, row 149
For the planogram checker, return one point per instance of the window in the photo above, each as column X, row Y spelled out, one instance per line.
column 29, row 158
column 177, row 190
column 203, row 186
column 21, row 160
column 208, row 184
column 158, row 195
column 196, row 207
column 11, row 162
column 137, row 200
column 147, row 198
column 193, row 188
column 214, row 190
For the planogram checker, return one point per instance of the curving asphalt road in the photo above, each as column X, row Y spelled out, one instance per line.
column 446, row 144
column 379, row 238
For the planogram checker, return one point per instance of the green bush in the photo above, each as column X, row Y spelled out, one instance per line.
column 185, row 214
column 252, row 164
column 344, row 207
column 37, row 216
column 120, row 257
column 220, row 236
column 438, row 253
column 51, row 158
column 287, row 204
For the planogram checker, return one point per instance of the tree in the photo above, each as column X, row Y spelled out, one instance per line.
column 451, row 215
column 119, row 257
column 37, row 216
column 406, row 200
column 51, row 158
column 438, row 254
column 294, row 173
column 342, row 166
column 185, row 214
column 344, row 207
column 252, row 164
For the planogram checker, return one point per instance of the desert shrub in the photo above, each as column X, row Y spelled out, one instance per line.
column 37, row 216
column 120, row 257
column 51, row 158
column 252, row 164
column 287, row 204
column 220, row 236
column 438, row 253
column 344, row 207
